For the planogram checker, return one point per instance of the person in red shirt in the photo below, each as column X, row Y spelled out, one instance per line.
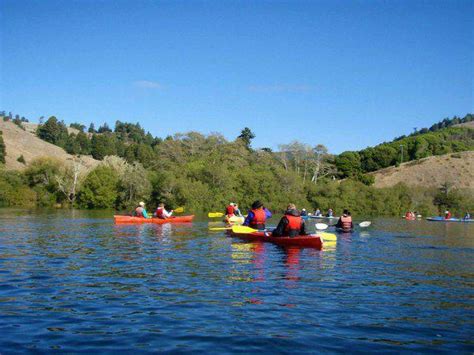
column 447, row 215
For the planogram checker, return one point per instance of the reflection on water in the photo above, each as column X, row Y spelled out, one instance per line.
column 74, row 281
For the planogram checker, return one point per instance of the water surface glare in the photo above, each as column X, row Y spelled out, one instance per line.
column 75, row 282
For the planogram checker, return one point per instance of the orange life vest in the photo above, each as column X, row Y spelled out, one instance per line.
column 346, row 223
column 258, row 220
column 294, row 225
column 159, row 213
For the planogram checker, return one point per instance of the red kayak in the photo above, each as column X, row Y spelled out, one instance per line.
column 133, row 220
column 304, row 241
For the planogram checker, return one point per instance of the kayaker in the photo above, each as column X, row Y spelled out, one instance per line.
column 330, row 213
column 257, row 216
column 237, row 210
column 345, row 222
column 162, row 213
column 447, row 215
column 467, row 215
column 230, row 210
column 318, row 213
column 304, row 213
column 140, row 211
column 291, row 224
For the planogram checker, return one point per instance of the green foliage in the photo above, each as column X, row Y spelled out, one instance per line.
column 53, row 131
column 100, row 188
column 3, row 151
column 246, row 135
column 103, row 145
column 14, row 192
column 348, row 164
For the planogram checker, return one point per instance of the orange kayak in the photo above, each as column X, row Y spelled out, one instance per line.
column 303, row 241
column 132, row 220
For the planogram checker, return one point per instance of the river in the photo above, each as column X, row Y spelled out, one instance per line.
column 75, row 282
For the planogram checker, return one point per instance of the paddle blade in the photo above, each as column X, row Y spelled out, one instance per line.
column 215, row 214
column 321, row 226
column 365, row 224
column 179, row 210
column 219, row 228
column 328, row 237
column 243, row 229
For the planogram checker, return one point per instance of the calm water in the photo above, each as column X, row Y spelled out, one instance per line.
column 75, row 282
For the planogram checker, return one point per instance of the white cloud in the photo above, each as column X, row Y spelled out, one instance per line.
column 281, row 88
column 147, row 84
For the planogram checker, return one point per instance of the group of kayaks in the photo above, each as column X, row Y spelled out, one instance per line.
column 242, row 232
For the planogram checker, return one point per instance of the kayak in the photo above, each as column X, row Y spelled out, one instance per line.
column 441, row 219
column 133, row 220
column 303, row 241
column 323, row 217
column 235, row 220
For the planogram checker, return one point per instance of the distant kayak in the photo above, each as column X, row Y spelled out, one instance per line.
column 323, row 217
column 304, row 241
column 134, row 220
column 441, row 219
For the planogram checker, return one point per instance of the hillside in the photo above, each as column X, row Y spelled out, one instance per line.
column 19, row 142
column 456, row 169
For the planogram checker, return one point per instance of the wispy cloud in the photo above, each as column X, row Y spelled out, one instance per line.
column 281, row 88
column 147, row 84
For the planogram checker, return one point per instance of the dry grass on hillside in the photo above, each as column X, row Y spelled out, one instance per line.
column 19, row 142
column 456, row 169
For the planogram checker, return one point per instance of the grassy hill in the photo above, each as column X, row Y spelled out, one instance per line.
column 25, row 143
column 456, row 169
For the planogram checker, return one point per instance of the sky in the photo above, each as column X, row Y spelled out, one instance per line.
column 346, row 74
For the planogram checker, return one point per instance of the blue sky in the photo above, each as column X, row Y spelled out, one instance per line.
column 347, row 74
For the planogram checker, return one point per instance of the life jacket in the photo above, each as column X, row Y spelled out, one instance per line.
column 229, row 211
column 139, row 211
column 293, row 227
column 258, row 220
column 447, row 215
column 346, row 223
column 159, row 213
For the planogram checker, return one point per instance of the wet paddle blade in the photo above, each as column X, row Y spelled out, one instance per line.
column 215, row 214
column 243, row 229
column 321, row 226
column 179, row 210
column 365, row 224
column 219, row 228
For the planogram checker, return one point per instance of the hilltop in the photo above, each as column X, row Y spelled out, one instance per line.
column 25, row 142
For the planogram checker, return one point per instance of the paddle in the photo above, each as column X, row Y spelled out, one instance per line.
column 243, row 229
column 323, row 226
column 219, row 228
column 215, row 214
column 179, row 210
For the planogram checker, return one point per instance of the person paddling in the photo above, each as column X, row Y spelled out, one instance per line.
column 237, row 210
column 162, row 213
column 330, row 213
column 291, row 224
column 467, row 216
column 345, row 222
column 140, row 211
column 447, row 215
column 230, row 210
column 304, row 213
column 257, row 216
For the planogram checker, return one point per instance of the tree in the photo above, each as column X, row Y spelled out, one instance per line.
column 348, row 164
column 53, row 131
column 69, row 179
column 3, row 151
column 246, row 135
column 104, row 129
column 91, row 128
column 100, row 188
column 103, row 145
